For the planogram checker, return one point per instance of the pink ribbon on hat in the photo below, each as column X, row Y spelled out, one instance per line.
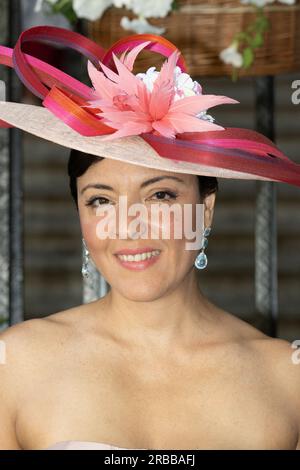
column 235, row 149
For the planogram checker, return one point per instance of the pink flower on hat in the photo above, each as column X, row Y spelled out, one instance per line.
column 168, row 102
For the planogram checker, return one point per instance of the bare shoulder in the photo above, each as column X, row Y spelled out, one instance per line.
column 275, row 360
column 39, row 342
column 283, row 360
column 27, row 351
column 33, row 345
column 20, row 341
column 279, row 356
column 278, row 363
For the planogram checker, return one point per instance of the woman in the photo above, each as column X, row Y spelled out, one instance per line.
column 154, row 364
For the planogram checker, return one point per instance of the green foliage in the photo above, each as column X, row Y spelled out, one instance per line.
column 175, row 5
column 250, row 39
column 65, row 8
column 257, row 41
column 248, row 57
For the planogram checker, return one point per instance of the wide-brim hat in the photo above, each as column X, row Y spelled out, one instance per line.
column 156, row 120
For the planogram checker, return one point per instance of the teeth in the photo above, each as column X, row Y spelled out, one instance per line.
column 139, row 257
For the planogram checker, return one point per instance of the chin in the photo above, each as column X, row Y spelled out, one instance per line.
column 140, row 293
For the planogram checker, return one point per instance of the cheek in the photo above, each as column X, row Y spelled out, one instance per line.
column 88, row 225
column 166, row 225
column 188, row 227
column 179, row 257
column 180, row 226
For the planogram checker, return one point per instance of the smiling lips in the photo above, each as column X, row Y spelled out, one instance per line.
column 137, row 260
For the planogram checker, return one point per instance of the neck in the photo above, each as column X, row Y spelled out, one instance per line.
column 180, row 317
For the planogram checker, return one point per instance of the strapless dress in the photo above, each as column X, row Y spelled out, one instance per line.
column 85, row 445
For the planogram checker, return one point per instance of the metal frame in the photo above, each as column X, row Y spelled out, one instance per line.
column 16, row 251
column 266, row 284
column 4, row 184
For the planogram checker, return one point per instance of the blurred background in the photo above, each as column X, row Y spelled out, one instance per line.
column 49, row 267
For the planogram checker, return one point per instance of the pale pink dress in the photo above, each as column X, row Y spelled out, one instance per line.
column 85, row 445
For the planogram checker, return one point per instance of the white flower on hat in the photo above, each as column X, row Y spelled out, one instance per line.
column 230, row 55
column 149, row 77
column 185, row 86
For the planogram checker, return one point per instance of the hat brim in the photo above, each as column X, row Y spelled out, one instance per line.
column 40, row 122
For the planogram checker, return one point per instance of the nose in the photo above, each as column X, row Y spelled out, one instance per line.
column 132, row 219
column 132, row 227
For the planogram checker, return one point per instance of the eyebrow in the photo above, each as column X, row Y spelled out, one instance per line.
column 143, row 185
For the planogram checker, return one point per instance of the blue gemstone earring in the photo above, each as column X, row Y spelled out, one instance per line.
column 201, row 260
column 85, row 261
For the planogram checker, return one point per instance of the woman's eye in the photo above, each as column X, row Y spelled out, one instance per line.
column 100, row 200
column 160, row 195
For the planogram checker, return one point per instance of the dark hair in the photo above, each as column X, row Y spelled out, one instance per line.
column 79, row 162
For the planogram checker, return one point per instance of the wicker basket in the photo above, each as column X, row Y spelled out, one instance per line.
column 201, row 29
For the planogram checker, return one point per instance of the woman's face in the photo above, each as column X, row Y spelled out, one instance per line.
column 140, row 279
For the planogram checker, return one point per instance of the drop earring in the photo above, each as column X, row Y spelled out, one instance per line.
column 85, row 261
column 201, row 260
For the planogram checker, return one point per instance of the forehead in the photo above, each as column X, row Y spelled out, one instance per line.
column 114, row 171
